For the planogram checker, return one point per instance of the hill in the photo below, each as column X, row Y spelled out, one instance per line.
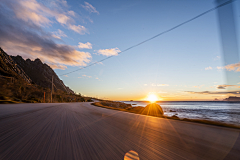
column 26, row 81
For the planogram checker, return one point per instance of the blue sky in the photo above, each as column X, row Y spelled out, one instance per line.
column 180, row 65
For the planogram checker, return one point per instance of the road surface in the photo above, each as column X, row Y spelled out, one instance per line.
column 81, row 131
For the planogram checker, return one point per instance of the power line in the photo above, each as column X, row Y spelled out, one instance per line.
column 164, row 32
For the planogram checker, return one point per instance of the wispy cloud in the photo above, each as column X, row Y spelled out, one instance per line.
column 100, row 63
column 79, row 29
column 233, row 67
column 87, row 76
column 214, row 92
column 199, row 86
column 216, row 58
column 208, row 68
column 57, row 66
column 109, row 52
column 226, row 86
column 33, row 12
column 58, row 34
column 85, row 45
column 162, row 85
column 24, row 34
column 89, row 8
column 220, row 68
column 158, row 85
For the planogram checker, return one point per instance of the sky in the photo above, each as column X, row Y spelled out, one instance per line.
column 184, row 64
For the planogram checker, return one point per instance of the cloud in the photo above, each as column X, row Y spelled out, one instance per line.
column 86, row 76
column 162, row 85
column 225, row 86
column 33, row 12
column 208, row 68
column 65, row 75
column 28, row 39
column 61, row 18
column 58, row 34
column 89, row 8
column 79, row 29
column 71, row 13
column 100, row 63
column 85, row 45
column 233, row 67
column 219, row 68
column 200, row 86
column 109, row 52
column 214, row 92
column 217, row 58
column 57, row 66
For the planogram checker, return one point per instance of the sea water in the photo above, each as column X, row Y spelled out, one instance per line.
column 227, row 112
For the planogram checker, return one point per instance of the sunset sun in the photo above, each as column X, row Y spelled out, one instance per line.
column 152, row 98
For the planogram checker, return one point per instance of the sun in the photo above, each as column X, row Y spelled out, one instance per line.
column 152, row 98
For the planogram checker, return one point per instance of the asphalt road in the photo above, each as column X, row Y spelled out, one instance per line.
column 82, row 131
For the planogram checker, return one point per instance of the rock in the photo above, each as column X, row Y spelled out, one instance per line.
column 9, row 68
column 172, row 111
column 175, row 117
column 153, row 109
column 33, row 72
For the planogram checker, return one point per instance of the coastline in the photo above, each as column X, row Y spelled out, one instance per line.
column 201, row 121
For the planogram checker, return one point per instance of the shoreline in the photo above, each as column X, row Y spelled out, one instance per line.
column 183, row 101
column 201, row 121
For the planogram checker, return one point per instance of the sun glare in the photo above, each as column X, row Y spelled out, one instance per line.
column 152, row 98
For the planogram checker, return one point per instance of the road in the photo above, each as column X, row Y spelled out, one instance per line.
column 82, row 131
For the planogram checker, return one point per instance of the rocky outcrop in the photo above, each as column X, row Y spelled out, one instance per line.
column 34, row 72
column 10, row 68
column 153, row 109
column 233, row 99
column 41, row 74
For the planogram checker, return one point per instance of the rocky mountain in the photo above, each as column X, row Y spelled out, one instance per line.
column 8, row 68
column 34, row 72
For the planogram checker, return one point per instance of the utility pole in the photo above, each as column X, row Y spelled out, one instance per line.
column 44, row 98
column 52, row 89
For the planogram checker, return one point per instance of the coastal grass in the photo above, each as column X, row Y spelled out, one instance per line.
column 22, row 92
column 139, row 110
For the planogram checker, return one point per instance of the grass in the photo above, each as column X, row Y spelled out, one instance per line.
column 139, row 110
column 22, row 92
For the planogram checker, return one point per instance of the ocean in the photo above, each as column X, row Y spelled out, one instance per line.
column 227, row 112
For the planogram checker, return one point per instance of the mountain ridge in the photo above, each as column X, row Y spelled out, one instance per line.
column 32, row 72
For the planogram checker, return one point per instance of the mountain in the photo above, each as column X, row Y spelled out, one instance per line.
column 33, row 72
column 233, row 99
column 9, row 68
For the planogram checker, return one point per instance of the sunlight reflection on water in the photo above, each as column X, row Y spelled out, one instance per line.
column 216, row 111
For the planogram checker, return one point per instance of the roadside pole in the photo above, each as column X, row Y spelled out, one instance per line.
column 52, row 89
column 44, row 98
